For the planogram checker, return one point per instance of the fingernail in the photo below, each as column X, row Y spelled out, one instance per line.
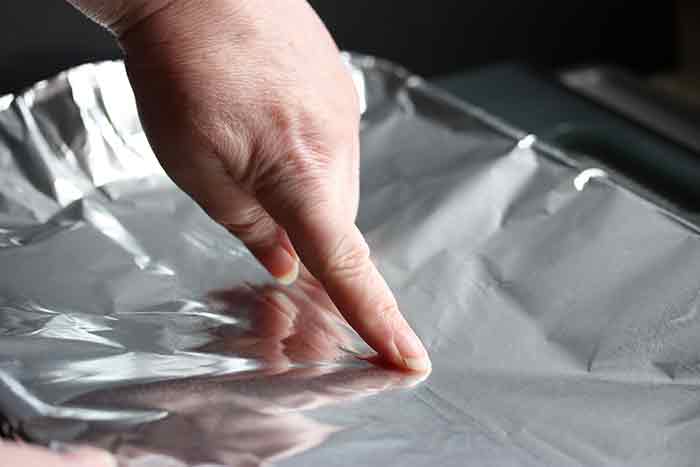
column 292, row 276
column 284, row 266
column 413, row 353
column 418, row 364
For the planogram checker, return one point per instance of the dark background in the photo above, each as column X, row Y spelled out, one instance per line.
column 38, row 38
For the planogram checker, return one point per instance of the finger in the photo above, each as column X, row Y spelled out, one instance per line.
column 334, row 250
column 314, row 290
column 215, row 191
column 20, row 455
column 249, row 222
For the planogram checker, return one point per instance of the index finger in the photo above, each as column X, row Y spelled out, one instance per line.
column 335, row 251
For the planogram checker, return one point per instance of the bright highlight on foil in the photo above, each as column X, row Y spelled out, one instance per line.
column 586, row 176
column 527, row 142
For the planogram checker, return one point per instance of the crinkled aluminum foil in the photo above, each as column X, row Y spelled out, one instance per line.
column 561, row 310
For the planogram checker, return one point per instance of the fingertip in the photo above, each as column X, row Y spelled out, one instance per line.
column 415, row 369
column 420, row 364
column 282, row 265
column 414, row 357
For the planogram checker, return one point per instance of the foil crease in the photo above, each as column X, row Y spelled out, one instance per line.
column 561, row 309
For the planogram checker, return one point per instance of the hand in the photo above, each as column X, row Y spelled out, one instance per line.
column 22, row 455
column 249, row 109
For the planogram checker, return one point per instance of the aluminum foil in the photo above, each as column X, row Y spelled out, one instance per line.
column 561, row 309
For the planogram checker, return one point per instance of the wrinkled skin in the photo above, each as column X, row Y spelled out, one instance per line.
column 250, row 110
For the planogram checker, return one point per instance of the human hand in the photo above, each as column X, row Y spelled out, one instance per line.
column 250, row 110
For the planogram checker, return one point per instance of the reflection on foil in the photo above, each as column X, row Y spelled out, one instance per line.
column 283, row 327
column 560, row 310
column 16, row 399
column 586, row 176
column 527, row 142
column 251, row 416
column 249, row 419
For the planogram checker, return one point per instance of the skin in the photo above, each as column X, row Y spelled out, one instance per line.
column 17, row 454
column 250, row 110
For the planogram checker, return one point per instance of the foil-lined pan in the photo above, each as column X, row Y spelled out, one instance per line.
column 561, row 309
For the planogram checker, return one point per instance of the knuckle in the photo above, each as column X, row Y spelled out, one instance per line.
column 349, row 259
column 383, row 313
column 251, row 225
column 293, row 187
column 232, row 144
column 291, row 153
column 304, row 136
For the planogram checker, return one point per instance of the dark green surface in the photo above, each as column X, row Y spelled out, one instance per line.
column 539, row 105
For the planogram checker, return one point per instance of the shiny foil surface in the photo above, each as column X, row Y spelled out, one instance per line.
column 560, row 309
